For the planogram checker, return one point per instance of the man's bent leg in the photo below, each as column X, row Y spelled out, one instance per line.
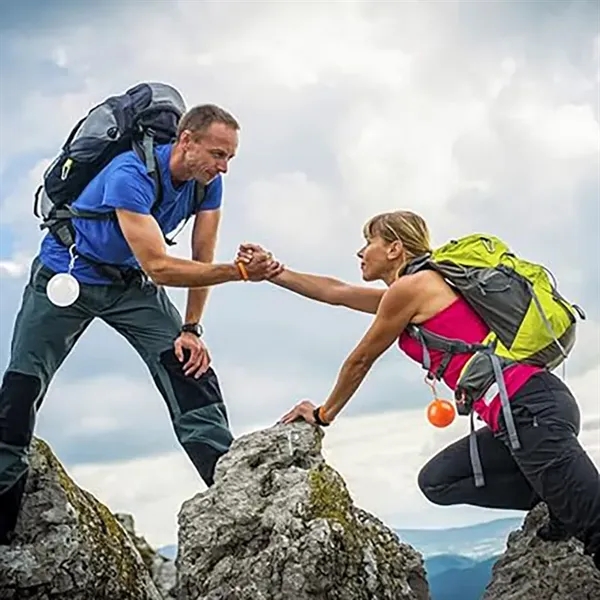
column 150, row 322
column 43, row 335
column 198, row 412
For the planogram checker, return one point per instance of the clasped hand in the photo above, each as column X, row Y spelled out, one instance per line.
column 259, row 263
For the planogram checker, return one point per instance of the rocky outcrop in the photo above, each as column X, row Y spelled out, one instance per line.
column 531, row 569
column 68, row 545
column 161, row 569
column 279, row 524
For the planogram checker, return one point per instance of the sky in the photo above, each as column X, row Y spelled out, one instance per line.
column 478, row 116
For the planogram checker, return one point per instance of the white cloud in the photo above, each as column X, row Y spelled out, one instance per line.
column 339, row 35
column 379, row 456
column 16, row 267
column 565, row 132
column 347, row 109
column 291, row 212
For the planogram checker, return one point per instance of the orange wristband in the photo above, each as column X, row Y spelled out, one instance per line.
column 242, row 269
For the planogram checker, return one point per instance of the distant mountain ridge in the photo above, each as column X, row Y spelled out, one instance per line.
column 459, row 560
column 479, row 542
column 463, row 579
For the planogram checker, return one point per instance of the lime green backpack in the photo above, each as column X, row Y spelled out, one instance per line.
column 529, row 321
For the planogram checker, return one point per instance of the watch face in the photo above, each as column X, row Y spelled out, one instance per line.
column 192, row 328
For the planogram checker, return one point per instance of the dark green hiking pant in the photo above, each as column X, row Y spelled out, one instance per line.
column 44, row 335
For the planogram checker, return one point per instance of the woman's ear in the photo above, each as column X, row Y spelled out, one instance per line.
column 395, row 250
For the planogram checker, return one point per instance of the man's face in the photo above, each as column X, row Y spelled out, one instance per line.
column 207, row 154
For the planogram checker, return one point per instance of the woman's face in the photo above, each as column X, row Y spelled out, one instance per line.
column 378, row 258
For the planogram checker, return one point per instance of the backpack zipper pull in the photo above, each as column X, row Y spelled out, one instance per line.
column 66, row 169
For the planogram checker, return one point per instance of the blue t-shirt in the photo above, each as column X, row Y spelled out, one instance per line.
column 124, row 183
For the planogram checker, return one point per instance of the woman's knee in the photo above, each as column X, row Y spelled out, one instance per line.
column 432, row 484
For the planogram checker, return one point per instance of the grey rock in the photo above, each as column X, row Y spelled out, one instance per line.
column 279, row 524
column 531, row 569
column 163, row 570
column 68, row 545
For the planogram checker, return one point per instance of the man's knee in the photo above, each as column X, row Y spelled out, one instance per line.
column 18, row 396
column 198, row 412
column 186, row 391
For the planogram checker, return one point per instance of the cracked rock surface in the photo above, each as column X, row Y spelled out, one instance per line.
column 161, row 569
column 279, row 524
column 531, row 569
column 68, row 545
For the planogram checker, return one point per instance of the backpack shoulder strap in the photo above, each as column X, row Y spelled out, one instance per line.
column 147, row 154
column 200, row 192
column 419, row 263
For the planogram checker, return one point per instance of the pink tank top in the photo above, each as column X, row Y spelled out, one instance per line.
column 459, row 321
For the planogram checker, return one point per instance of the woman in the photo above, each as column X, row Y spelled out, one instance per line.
column 550, row 466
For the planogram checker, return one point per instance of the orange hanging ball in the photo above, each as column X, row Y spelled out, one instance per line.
column 440, row 413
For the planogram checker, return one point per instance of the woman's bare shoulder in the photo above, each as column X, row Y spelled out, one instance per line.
column 431, row 293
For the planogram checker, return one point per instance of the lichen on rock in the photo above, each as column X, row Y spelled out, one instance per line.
column 280, row 524
column 68, row 545
column 162, row 570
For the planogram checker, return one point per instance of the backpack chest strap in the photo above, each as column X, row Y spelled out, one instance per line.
column 448, row 346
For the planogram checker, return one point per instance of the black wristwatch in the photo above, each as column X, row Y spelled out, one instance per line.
column 318, row 419
column 194, row 328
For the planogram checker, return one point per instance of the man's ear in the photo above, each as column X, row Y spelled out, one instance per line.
column 185, row 138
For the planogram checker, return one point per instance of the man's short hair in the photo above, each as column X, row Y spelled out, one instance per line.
column 199, row 118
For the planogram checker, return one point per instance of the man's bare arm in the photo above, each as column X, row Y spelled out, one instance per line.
column 147, row 244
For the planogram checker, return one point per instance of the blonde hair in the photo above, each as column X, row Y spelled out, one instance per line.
column 403, row 226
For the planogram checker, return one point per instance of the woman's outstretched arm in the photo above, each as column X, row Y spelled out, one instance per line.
column 319, row 287
column 330, row 290
column 397, row 308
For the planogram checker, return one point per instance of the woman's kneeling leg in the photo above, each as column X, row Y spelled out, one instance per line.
column 447, row 479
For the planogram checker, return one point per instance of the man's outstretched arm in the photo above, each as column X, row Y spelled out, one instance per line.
column 147, row 244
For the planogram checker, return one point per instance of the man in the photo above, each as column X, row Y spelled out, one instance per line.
column 136, row 306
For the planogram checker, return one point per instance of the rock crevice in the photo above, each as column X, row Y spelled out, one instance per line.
column 531, row 569
column 278, row 524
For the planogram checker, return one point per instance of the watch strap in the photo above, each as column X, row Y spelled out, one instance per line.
column 194, row 328
column 318, row 419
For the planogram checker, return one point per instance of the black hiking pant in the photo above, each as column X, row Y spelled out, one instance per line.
column 44, row 335
column 551, row 466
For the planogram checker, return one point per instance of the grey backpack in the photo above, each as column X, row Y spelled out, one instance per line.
column 144, row 116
